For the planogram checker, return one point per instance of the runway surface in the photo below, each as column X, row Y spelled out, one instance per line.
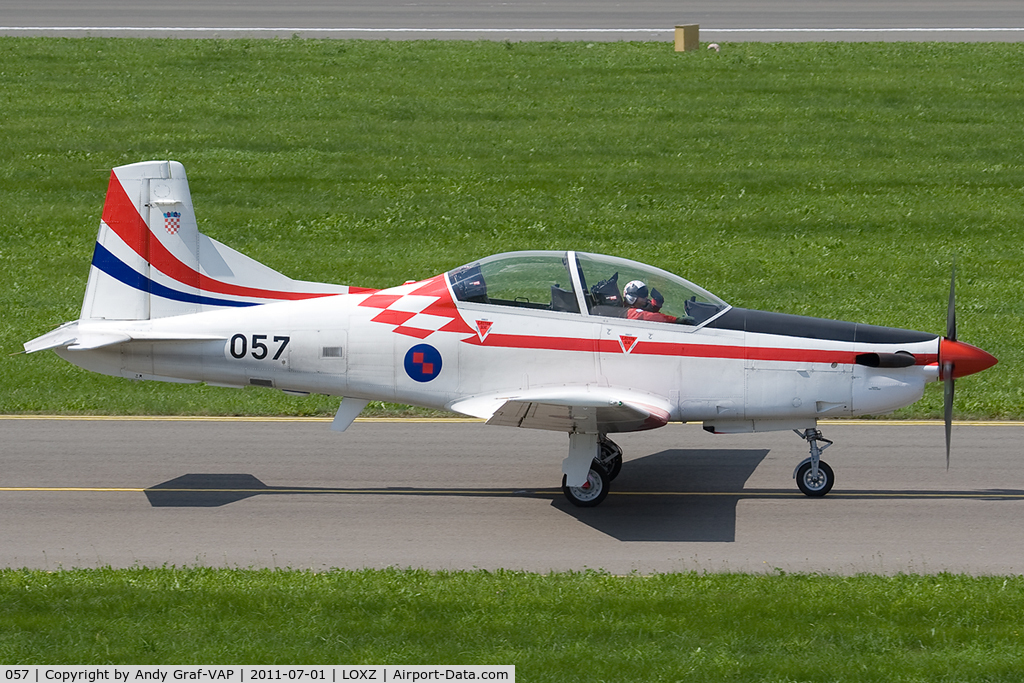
column 596, row 20
column 438, row 495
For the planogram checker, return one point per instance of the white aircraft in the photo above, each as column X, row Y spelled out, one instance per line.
column 568, row 341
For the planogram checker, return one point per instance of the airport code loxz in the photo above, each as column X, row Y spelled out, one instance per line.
column 251, row 674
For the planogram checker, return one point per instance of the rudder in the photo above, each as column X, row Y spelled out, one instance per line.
column 151, row 261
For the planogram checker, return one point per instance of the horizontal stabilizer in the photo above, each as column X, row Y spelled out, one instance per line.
column 97, row 340
column 83, row 336
column 173, row 337
column 75, row 339
column 65, row 335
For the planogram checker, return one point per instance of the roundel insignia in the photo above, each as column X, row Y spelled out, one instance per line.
column 423, row 362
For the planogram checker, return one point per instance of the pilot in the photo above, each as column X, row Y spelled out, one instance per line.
column 644, row 305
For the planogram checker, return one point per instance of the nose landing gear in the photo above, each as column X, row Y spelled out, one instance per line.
column 813, row 476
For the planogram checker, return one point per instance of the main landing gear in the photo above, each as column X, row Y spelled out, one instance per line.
column 813, row 476
column 603, row 469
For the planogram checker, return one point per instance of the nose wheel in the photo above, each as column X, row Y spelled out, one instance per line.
column 814, row 484
column 813, row 476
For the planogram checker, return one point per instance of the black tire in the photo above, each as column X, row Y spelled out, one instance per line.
column 591, row 493
column 815, row 488
column 611, row 458
column 611, row 468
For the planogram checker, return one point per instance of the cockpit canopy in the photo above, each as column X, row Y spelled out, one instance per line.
column 550, row 280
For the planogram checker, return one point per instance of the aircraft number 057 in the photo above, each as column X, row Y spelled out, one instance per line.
column 240, row 346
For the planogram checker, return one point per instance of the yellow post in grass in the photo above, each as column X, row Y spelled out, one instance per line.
column 687, row 37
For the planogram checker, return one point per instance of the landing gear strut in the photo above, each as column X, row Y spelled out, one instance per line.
column 603, row 469
column 813, row 476
column 610, row 457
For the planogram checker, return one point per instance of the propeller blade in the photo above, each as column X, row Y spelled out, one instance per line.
column 951, row 310
column 947, row 368
column 947, row 406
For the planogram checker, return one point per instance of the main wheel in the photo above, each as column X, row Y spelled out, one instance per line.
column 593, row 491
column 611, row 467
column 611, row 458
column 815, row 487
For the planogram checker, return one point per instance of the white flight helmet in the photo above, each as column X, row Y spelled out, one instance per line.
column 634, row 289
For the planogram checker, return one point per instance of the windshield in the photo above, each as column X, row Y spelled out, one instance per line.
column 526, row 279
column 543, row 280
column 610, row 280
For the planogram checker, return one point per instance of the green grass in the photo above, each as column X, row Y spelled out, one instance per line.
column 837, row 180
column 585, row 626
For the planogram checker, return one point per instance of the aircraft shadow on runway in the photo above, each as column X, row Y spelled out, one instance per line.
column 676, row 495
column 652, row 505
column 649, row 500
column 214, row 490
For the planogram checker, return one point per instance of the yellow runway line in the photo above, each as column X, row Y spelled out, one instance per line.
column 70, row 489
column 746, row 494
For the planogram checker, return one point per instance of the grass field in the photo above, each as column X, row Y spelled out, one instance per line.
column 836, row 180
column 561, row 627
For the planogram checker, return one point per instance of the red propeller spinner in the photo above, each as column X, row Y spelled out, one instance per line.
column 964, row 358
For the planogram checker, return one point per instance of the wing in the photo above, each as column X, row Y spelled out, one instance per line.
column 592, row 410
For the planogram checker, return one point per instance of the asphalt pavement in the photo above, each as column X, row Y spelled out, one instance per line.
column 591, row 20
column 462, row 495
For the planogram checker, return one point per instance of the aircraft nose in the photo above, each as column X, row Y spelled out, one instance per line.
column 966, row 359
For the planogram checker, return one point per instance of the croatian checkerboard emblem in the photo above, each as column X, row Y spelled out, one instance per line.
column 423, row 362
column 172, row 222
column 418, row 309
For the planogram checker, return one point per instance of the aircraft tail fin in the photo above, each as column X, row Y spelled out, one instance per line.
column 151, row 261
